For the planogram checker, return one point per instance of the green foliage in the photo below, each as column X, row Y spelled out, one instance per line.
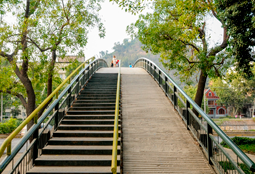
column 244, row 143
column 9, row 126
column 176, row 30
column 30, row 44
column 239, row 17
column 233, row 90
column 71, row 67
column 228, row 166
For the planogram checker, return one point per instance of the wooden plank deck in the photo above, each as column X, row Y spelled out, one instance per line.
column 154, row 138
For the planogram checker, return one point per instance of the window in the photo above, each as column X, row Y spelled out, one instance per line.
column 211, row 111
column 221, row 111
column 210, row 102
column 210, row 94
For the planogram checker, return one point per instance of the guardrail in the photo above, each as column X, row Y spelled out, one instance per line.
column 54, row 114
column 201, row 127
column 116, row 127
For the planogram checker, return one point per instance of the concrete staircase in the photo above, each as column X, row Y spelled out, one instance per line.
column 83, row 140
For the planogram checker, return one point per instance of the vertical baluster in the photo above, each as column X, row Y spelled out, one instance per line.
column 175, row 97
column 166, row 89
column 56, row 116
column 209, row 143
column 187, row 113
column 159, row 77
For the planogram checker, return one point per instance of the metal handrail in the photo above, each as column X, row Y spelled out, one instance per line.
column 75, row 85
column 7, row 141
column 246, row 160
column 116, row 127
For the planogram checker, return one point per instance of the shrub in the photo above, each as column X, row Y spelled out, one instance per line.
column 9, row 125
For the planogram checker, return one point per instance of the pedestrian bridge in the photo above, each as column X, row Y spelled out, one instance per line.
column 122, row 120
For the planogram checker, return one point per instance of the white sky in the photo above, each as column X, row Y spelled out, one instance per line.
column 115, row 21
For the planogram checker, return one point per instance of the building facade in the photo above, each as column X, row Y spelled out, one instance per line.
column 214, row 109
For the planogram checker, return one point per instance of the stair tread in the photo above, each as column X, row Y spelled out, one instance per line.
column 83, row 131
column 75, row 157
column 75, row 147
column 81, row 139
column 66, row 119
column 71, row 169
column 89, row 115
column 86, row 125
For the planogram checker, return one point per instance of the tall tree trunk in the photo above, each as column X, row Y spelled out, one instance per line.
column 51, row 71
column 200, row 89
column 199, row 98
column 50, row 79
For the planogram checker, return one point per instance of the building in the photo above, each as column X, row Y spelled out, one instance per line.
column 214, row 109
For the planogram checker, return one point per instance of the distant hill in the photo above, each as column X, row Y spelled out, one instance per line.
column 129, row 51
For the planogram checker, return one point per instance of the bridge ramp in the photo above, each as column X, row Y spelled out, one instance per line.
column 154, row 138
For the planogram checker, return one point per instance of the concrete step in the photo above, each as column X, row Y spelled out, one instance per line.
column 86, row 127
column 75, row 160
column 86, row 108
column 99, row 98
column 82, row 141
column 88, row 117
column 94, row 104
column 71, row 170
column 93, row 112
column 90, row 122
column 83, row 133
column 113, row 100
column 78, row 150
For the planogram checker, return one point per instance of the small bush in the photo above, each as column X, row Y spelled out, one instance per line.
column 244, row 143
column 228, row 166
column 9, row 126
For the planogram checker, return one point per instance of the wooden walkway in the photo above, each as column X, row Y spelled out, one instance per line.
column 154, row 138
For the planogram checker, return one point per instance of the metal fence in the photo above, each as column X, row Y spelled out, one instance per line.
column 39, row 134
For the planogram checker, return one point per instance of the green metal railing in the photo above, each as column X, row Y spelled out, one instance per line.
column 116, row 127
column 204, row 130
column 53, row 113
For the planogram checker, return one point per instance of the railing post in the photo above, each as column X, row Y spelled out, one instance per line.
column 69, row 98
column 88, row 72
column 56, row 116
column 35, row 148
column 159, row 73
column 187, row 114
column 77, row 88
column 154, row 72
column 175, row 97
column 209, row 144
column 166, row 89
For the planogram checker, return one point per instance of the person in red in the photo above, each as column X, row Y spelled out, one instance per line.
column 117, row 63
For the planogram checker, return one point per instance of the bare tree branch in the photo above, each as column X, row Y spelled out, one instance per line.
column 41, row 49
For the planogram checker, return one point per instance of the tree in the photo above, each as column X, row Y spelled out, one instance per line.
column 239, row 17
column 177, row 30
column 234, row 90
column 41, row 28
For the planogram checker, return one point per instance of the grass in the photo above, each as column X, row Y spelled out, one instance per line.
column 228, row 166
column 244, row 143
